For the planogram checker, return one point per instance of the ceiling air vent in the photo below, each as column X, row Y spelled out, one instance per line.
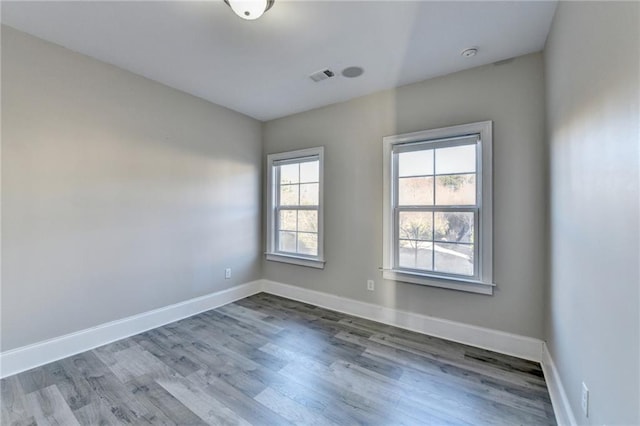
column 321, row 75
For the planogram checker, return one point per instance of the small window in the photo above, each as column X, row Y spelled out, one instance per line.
column 438, row 208
column 294, row 207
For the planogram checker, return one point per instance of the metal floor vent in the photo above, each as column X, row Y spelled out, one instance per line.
column 321, row 75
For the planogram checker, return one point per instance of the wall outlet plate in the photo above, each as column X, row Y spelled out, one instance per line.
column 371, row 285
column 227, row 273
column 585, row 400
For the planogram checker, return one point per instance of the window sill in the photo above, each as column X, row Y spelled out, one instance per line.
column 461, row 284
column 295, row 260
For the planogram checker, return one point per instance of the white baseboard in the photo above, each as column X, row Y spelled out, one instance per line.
column 27, row 357
column 561, row 406
column 24, row 358
column 497, row 341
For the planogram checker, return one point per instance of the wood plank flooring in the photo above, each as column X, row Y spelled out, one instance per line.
column 265, row 360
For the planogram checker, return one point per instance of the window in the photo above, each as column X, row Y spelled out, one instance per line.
column 437, row 219
column 294, row 207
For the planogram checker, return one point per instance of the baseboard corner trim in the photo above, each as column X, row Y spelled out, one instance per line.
column 485, row 338
column 34, row 355
column 559, row 400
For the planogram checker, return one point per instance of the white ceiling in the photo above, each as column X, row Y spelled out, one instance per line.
column 261, row 68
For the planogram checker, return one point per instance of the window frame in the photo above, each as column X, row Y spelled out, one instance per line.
column 482, row 281
column 273, row 207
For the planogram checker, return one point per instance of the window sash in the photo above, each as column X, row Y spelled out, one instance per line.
column 433, row 144
column 278, row 207
column 477, row 265
column 277, row 230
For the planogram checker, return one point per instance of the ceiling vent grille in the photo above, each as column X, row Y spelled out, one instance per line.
column 321, row 75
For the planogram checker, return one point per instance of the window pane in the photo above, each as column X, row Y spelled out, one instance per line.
column 415, row 191
column 310, row 171
column 287, row 242
column 309, row 194
column 454, row 258
column 288, row 220
column 457, row 159
column 415, row 163
column 289, row 195
column 307, row 221
column 416, row 225
column 454, row 227
column 415, row 255
column 308, row 243
column 456, row 190
column 289, row 173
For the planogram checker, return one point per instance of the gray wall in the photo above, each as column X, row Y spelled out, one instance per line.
column 512, row 95
column 593, row 327
column 119, row 195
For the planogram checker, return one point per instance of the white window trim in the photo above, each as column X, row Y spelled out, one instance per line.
column 483, row 285
column 271, row 254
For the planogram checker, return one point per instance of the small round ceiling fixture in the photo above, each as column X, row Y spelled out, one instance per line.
column 352, row 72
column 249, row 9
column 468, row 53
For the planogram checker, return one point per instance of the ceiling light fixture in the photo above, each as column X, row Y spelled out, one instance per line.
column 249, row 9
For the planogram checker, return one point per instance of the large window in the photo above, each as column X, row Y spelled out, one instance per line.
column 294, row 211
column 438, row 207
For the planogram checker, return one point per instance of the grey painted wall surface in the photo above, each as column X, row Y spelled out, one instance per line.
column 593, row 326
column 512, row 95
column 119, row 195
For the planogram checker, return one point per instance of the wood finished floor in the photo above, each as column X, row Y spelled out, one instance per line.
column 266, row 360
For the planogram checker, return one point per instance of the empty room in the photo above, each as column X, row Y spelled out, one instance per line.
column 299, row 212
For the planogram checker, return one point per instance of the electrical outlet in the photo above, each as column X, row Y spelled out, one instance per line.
column 227, row 273
column 371, row 285
column 585, row 400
